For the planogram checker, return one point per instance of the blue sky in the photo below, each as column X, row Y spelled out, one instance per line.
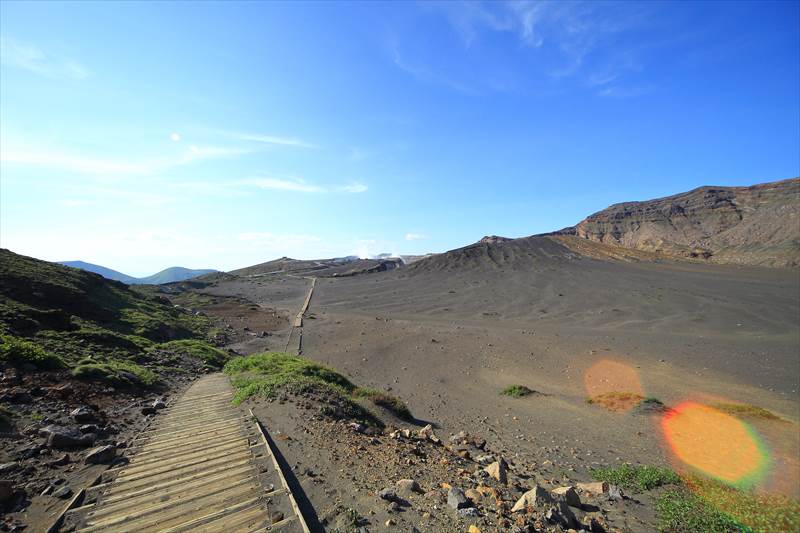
column 141, row 136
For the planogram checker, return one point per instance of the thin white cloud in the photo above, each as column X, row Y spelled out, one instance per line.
column 295, row 184
column 280, row 184
column 50, row 157
column 34, row 60
column 415, row 237
column 76, row 203
column 271, row 139
column 354, row 188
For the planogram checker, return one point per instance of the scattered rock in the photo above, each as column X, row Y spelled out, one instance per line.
column 89, row 428
column 474, row 495
column 101, row 455
column 567, row 495
column 595, row 488
column 159, row 404
column 456, row 498
column 498, row 470
column 387, row 494
column 615, row 493
column 533, row 498
column 407, row 487
column 8, row 467
column 467, row 512
column 149, row 410
column 60, row 461
column 83, row 415
column 62, row 438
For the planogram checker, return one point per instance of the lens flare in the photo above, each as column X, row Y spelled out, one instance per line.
column 716, row 443
column 614, row 385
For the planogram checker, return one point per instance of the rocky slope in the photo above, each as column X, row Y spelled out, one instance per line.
column 757, row 225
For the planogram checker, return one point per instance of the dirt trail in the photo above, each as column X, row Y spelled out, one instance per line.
column 203, row 467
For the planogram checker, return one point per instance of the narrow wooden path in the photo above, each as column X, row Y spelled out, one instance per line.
column 294, row 341
column 203, row 467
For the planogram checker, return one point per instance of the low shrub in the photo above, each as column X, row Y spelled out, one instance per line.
column 637, row 477
column 517, row 391
column 17, row 351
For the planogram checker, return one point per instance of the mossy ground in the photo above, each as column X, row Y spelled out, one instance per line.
column 266, row 374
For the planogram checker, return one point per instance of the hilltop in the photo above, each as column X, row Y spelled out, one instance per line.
column 757, row 225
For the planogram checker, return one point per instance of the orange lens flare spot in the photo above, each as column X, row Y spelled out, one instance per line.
column 611, row 376
column 715, row 443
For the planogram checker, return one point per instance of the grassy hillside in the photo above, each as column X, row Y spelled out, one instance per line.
column 52, row 316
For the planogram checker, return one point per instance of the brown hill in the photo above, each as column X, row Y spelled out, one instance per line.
column 758, row 225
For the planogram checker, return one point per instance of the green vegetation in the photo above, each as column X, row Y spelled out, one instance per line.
column 266, row 374
column 747, row 410
column 19, row 351
column 212, row 357
column 58, row 317
column 751, row 511
column 699, row 504
column 637, row 477
column 115, row 372
column 681, row 510
column 517, row 391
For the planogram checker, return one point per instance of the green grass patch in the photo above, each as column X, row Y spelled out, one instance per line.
column 115, row 372
column 517, row 391
column 383, row 399
column 746, row 410
column 746, row 510
column 680, row 510
column 17, row 351
column 637, row 477
column 211, row 356
column 266, row 374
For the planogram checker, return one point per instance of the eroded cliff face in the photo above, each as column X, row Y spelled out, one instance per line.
column 758, row 225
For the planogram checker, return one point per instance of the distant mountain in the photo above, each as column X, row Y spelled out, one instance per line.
column 172, row 274
column 103, row 271
column 168, row 275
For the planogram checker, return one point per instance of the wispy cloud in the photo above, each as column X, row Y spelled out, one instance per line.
column 76, row 203
column 296, row 184
column 33, row 59
column 577, row 39
column 415, row 237
column 55, row 158
column 354, row 188
column 272, row 139
column 280, row 184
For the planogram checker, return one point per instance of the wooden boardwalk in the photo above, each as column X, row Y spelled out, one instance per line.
column 203, row 467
